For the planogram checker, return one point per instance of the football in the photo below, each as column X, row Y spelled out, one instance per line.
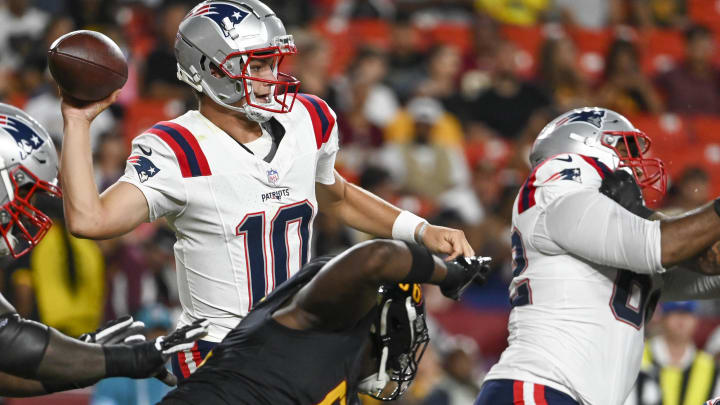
column 87, row 65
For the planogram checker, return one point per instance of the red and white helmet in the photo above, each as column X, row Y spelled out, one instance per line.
column 28, row 165
column 605, row 135
column 215, row 45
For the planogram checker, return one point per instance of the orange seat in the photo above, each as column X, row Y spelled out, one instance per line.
column 528, row 40
column 706, row 136
column 668, row 134
column 370, row 32
column 592, row 47
column 342, row 47
column 458, row 35
column 705, row 128
column 662, row 49
column 143, row 114
column 706, row 12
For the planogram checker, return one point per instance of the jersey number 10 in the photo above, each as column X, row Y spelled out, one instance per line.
column 252, row 228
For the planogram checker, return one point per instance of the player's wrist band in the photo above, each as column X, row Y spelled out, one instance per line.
column 423, row 264
column 405, row 225
column 716, row 206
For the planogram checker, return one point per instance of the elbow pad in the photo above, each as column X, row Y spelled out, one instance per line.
column 23, row 343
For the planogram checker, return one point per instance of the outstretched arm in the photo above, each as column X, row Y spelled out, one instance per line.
column 681, row 236
column 346, row 288
column 362, row 210
column 39, row 360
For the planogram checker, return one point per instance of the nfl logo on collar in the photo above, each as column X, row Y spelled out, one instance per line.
column 273, row 176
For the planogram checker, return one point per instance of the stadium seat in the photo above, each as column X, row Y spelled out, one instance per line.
column 662, row 49
column 143, row 114
column 528, row 40
column 670, row 143
column 706, row 12
column 370, row 32
column 459, row 35
column 705, row 132
column 592, row 47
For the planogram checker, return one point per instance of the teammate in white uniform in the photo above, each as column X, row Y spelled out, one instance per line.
column 588, row 272
column 240, row 180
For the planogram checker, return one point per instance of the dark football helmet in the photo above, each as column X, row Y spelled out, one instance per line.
column 398, row 337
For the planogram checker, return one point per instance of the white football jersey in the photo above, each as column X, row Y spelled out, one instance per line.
column 577, row 320
column 243, row 224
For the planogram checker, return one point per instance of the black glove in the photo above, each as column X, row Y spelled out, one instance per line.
column 147, row 359
column 121, row 330
column 621, row 187
column 463, row 271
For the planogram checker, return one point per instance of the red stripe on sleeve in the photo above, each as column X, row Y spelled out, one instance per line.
column 179, row 153
column 184, row 369
column 190, row 138
column 539, row 394
column 518, row 393
column 317, row 127
column 594, row 164
column 328, row 116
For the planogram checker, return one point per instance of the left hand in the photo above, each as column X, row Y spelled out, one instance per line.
column 121, row 330
column 442, row 240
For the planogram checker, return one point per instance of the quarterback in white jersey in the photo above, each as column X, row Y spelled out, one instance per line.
column 240, row 180
column 587, row 271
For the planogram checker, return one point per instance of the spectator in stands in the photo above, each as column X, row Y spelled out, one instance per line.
column 312, row 67
column 691, row 190
column 368, row 9
column 110, row 158
column 459, row 386
column 127, row 391
column 64, row 274
column 694, row 86
column 20, row 25
column 160, row 79
column 589, row 14
column 441, row 81
column 659, row 13
column 625, row 88
column 92, row 14
column 426, row 166
column 515, row 12
column 560, row 76
column 673, row 370
column 509, row 102
column 366, row 104
column 404, row 58
column 159, row 283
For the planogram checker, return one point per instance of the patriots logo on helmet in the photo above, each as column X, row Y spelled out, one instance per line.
column 219, row 12
column 592, row 117
column 273, row 176
column 27, row 140
column 144, row 167
column 566, row 174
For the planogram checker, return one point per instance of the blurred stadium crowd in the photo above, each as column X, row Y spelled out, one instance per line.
column 438, row 102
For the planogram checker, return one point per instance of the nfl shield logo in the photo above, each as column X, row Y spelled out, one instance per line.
column 273, row 176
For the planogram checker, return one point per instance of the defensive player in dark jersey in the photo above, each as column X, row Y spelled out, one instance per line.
column 37, row 359
column 344, row 325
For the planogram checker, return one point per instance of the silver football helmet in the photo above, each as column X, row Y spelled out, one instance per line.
column 28, row 165
column 214, row 48
column 605, row 135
